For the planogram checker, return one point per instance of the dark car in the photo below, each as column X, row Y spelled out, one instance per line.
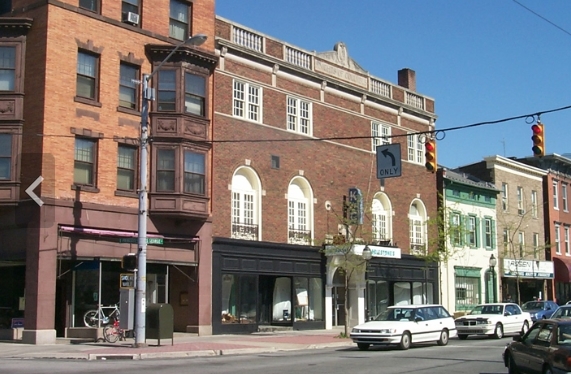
column 564, row 311
column 544, row 349
column 540, row 309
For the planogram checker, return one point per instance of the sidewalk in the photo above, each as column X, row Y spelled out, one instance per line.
column 183, row 345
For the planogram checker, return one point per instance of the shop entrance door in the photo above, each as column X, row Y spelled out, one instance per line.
column 338, row 299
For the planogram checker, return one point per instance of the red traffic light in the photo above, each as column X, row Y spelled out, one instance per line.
column 430, row 155
column 538, row 139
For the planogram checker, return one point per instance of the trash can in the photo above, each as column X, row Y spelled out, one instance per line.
column 159, row 322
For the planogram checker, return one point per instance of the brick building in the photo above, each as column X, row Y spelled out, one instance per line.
column 70, row 112
column 294, row 131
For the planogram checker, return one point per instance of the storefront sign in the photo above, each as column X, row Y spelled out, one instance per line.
column 17, row 323
column 528, row 269
column 376, row 251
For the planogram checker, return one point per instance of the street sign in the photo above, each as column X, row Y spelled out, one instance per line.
column 136, row 240
column 388, row 161
column 355, row 206
column 127, row 280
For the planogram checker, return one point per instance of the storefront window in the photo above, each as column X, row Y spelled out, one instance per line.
column 309, row 299
column 377, row 297
column 239, row 294
column 282, row 300
column 417, row 293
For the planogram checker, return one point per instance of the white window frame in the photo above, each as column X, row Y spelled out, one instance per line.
column 564, row 197
column 488, row 230
column 521, row 243
column 247, row 101
column 415, row 148
column 380, row 134
column 534, row 204
column 566, row 238
column 417, row 228
column 557, row 240
column 555, row 196
column 519, row 195
column 246, row 204
column 299, row 115
column 471, row 231
column 299, row 210
column 504, row 197
column 535, row 244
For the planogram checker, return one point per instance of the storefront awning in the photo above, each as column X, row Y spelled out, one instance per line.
column 562, row 269
column 119, row 234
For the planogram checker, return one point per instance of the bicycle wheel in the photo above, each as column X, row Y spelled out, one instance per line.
column 91, row 318
column 110, row 334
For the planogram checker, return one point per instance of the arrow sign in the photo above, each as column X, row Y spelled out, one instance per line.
column 388, row 161
column 30, row 191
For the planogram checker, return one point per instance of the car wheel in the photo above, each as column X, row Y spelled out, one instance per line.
column 405, row 341
column 525, row 327
column 363, row 346
column 462, row 337
column 443, row 338
column 499, row 331
column 547, row 370
column 512, row 367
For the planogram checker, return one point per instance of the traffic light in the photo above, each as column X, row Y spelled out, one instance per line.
column 430, row 155
column 129, row 262
column 538, row 140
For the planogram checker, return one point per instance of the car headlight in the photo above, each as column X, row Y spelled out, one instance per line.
column 355, row 330
column 387, row 331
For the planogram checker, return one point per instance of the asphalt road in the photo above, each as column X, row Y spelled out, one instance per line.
column 473, row 356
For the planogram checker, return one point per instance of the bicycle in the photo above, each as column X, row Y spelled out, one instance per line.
column 98, row 318
column 113, row 333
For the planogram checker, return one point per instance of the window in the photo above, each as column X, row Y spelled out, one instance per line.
column 488, row 233
column 566, row 237
column 165, row 170
column 7, row 68
column 126, row 166
column 534, row 204
column 564, row 197
column 299, row 116
column 555, row 196
column 128, row 86
column 415, row 149
column 166, row 97
column 471, row 232
column 92, row 5
column 129, row 6
column 535, row 245
column 239, row 298
column 179, row 20
column 299, row 214
column 380, row 134
column 467, row 292
column 246, row 190
column 506, row 239
column 455, row 230
column 5, row 156
column 87, row 75
column 246, row 103
column 194, row 94
column 521, row 243
column 194, row 172
column 519, row 195
column 85, row 161
column 416, row 229
column 504, row 196
column 381, row 218
column 557, row 240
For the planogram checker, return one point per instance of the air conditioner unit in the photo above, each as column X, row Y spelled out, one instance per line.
column 132, row 18
column 521, row 212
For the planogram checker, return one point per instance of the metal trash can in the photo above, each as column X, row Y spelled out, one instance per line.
column 159, row 322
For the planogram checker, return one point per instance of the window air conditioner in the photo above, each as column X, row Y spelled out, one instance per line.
column 521, row 212
column 132, row 18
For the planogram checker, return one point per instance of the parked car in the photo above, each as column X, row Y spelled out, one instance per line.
column 544, row 349
column 564, row 311
column 493, row 320
column 540, row 309
column 406, row 325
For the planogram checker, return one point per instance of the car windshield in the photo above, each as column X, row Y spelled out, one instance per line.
column 562, row 312
column 532, row 305
column 397, row 314
column 564, row 336
column 488, row 309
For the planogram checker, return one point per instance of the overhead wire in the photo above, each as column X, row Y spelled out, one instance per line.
column 542, row 17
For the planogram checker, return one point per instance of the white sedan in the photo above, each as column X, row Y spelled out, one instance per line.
column 493, row 320
column 406, row 325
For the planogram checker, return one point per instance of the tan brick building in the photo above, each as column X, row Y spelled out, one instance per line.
column 70, row 111
column 294, row 131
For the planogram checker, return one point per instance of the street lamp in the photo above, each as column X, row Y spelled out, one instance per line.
column 148, row 94
column 493, row 262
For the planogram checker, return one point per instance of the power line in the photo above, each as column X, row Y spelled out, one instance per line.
column 543, row 18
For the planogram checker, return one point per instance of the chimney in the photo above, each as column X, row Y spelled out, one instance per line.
column 407, row 79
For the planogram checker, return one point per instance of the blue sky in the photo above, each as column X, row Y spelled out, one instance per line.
column 481, row 60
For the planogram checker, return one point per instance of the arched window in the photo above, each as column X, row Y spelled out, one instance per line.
column 417, row 218
column 246, row 204
column 381, row 209
column 300, row 212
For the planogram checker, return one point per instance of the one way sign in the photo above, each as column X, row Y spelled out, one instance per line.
column 388, row 161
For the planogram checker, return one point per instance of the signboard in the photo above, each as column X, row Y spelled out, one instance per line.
column 355, row 206
column 528, row 268
column 127, row 280
column 136, row 240
column 388, row 161
column 17, row 323
column 376, row 251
